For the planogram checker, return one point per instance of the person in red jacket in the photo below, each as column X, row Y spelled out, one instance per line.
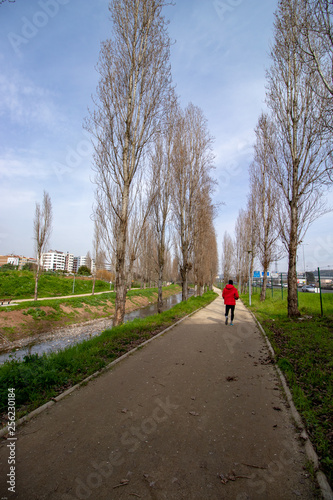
column 230, row 295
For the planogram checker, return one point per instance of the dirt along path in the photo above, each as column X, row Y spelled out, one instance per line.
column 196, row 414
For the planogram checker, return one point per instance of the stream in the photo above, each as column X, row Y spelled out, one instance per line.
column 60, row 338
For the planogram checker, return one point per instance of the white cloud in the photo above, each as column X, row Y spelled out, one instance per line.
column 23, row 164
column 26, row 104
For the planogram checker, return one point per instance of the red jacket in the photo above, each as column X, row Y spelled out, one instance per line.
column 230, row 295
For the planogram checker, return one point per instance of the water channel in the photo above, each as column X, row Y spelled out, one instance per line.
column 61, row 338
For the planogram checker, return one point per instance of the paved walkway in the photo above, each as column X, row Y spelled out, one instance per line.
column 196, row 414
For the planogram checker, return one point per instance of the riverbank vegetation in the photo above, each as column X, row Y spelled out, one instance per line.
column 41, row 316
column 304, row 352
column 37, row 379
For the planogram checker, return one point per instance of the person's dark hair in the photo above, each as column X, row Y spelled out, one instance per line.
column 231, row 282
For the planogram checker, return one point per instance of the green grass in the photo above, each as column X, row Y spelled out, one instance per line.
column 45, row 312
column 38, row 378
column 304, row 350
column 21, row 285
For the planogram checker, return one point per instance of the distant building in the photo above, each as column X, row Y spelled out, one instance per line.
column 78, row 262
column 9, row 259
column 69, row 262
column 26, row 260
column 53, row 260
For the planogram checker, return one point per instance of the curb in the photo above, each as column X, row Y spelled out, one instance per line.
column 311, row 454
column 61, row 396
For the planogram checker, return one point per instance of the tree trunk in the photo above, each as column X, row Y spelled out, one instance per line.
column 183, row 273
column 160, row 295
column 121, row 285
column 264, row 286
column 292, row 274
column 36, row 282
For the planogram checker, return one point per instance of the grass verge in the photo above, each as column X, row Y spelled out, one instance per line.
column 304, row 351
column 50, row 313
column 37, row 379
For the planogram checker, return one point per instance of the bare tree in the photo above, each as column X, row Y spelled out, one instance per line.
column 42, row 232
column 192, row 161
column 242, row 245
column 88, row 263
column 300, row 158
column 228, row 258
column 147, row 256
column 315, row 40
column 134, row 80
column 265, row 193
column 161, row 163
column 98, row 255
column 138, row 220
column 205, row 254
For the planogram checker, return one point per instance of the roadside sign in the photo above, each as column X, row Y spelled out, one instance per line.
column 274, row 275
column 262, row 274
column 256, row 274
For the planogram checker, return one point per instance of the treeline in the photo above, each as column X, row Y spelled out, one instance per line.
column 152, row 160
column 292, row 166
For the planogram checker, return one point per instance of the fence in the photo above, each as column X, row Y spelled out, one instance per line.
column 318, row 282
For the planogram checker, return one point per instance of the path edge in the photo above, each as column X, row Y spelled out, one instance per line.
column 311, row 454
column 66, row 393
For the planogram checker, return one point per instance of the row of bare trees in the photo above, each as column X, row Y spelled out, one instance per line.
column 292, row 164
column 152, row 159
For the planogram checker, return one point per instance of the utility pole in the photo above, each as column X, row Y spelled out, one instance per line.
column 249, row 252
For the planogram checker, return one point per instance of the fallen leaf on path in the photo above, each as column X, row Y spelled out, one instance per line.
column 254, row 466
column 123, row 482
column 195, row 414
column 277, row 408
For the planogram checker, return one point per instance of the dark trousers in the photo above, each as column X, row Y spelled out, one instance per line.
column 232, row 309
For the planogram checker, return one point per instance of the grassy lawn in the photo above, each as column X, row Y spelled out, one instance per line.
column 36, row 379
column 304, row 349
column 21, row 285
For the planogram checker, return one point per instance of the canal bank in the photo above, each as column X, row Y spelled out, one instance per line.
column 61, row 337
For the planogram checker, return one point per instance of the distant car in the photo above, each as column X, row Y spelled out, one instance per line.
column 285, row 285
column 308, row 288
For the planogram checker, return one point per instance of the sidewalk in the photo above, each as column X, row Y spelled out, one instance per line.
column 196, row 406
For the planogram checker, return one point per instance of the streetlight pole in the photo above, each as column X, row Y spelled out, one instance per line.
column 302, row 245
column 249, row 252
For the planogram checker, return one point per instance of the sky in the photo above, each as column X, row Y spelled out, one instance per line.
column 48, row 53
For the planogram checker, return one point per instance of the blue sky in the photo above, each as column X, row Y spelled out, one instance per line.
column 48, row 53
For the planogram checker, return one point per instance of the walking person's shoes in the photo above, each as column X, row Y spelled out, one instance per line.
column 231, row 324
column 226, row 320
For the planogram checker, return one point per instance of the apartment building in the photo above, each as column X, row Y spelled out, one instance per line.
column 69, row 262
column 9, row 259
column 53, row 260
column 16, row 260
column 78, row 262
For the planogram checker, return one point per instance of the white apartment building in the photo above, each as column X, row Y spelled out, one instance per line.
column 69, row 262
column 53, row 260
column 78, row 262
